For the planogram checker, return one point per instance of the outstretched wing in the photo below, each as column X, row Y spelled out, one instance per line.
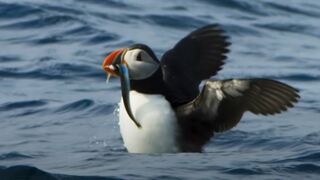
column 221, row 105
column 196, row 57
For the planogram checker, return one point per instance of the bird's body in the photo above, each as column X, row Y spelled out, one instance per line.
column 158, row 120
column 163, row 109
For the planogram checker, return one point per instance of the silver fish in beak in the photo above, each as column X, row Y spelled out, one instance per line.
column 115, row 65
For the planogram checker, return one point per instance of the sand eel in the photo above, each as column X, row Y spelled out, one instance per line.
column 163, row 109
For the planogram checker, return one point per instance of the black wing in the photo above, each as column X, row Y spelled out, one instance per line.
column 196, row 57
column 221, row 105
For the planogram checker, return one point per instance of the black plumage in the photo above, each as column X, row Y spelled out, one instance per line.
column 220, row 104
column 209, row 113
column 196, row 57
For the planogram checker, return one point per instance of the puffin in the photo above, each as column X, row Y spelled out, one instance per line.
column 174, row 105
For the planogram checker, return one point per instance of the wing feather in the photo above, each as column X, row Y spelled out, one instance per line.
column 221, row 105
column 196, row 57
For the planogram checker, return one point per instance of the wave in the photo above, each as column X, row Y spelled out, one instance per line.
column 291, row 27
column 62, row 9
column 292, row 10
column 14, row 156
column 14, row 11
column 304, row 156
column 174, row 21
column 109, row 3
column 22, row 104
column 239, row 30
column 167, row 20
column 103, row 109
column 296, row 77
column 303, row 168
column 40, row 22
column 53, row 71
column 244, row 171
column 242, row 6
column 6, row 59
column 33, row 173
column 75, row 106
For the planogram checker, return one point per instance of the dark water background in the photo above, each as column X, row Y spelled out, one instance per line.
column 57, row 114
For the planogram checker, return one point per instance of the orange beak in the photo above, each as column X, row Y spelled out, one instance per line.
column 110, row 61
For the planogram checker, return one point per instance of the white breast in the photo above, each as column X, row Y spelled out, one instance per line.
column 158, row 121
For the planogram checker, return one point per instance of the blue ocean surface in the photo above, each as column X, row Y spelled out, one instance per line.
column 58, row 118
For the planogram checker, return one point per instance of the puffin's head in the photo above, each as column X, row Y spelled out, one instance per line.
column 136, row 62
column 139, row 59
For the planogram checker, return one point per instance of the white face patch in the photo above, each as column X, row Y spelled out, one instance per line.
column 140, row 64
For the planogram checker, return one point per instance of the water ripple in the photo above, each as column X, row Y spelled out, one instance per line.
column 82, row 30
column 42, row 22
column 306, row 157
column 13, row 11
column 290, row 10
column 244, row 171
column 103, row 109
column 172, row 21
column 75, row 106
column 242, row 6
column 13, row 156
column 312, row 138
column 61, row 9
column 102, row 38
column 293, row 28
column 49, row 40
column 241, row 30
column 53, row 71
column 296, row 77
column 108, row 3
column 28, row 112
column 29, row 172
column 304, row 168
column 4, row 59
column 22, row 104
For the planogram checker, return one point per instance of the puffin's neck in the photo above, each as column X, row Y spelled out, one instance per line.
column 156, row 85
column 151, row 85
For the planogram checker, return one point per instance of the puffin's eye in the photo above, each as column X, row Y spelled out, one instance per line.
column 139, row 57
